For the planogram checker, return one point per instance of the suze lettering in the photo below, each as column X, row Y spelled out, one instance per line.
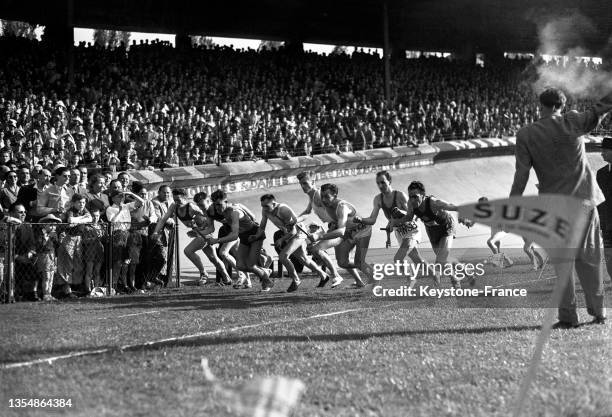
column 535, row 216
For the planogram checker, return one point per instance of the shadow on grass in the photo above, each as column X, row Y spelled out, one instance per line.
column 222, row 299
column 215, row 340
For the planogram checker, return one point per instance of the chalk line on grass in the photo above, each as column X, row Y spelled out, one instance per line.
column 128, row 315
column 524, row 282
column 133, row 346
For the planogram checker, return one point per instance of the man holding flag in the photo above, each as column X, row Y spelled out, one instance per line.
column 554, row 148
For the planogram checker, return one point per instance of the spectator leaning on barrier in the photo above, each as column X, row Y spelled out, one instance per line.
column 119, row 215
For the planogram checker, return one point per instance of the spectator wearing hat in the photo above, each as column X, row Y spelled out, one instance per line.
column 604, row 180
column 56, row 198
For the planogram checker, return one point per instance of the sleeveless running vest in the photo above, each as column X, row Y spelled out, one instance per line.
column 433, row 219
column 385, row 209
column 319, row 208
column 188, row 216
column 245, row 223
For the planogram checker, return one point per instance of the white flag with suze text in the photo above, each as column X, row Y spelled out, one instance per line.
column 550, row 220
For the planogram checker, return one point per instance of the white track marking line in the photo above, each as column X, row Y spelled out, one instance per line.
column 524, row 282
column 128, row 315
column 52, row 359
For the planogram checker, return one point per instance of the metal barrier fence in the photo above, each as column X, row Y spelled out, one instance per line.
column 55, row 260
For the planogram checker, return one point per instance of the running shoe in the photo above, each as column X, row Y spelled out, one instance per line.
column 368, row 270
column 266, row 282
column 241, row 280
column 336, row 281
column 294, row 286
column 323, row 282
column 358, row 283
column 203, row 279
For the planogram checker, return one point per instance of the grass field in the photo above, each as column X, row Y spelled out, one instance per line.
column 375, row 357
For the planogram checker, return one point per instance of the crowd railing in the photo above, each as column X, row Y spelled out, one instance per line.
column 94, row 259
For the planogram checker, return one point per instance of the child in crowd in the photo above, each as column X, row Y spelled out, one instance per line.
column 93, row 250
column 46, row 259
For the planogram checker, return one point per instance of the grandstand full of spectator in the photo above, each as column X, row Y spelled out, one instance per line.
column 156, row 106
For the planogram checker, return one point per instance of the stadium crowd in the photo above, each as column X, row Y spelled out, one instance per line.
column 154, row 105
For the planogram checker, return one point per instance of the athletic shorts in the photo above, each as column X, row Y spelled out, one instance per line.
column 408, row 231
column 244, row 236
column 414, row 239
column 359, row 232
column 224, row 230
column 437, row 233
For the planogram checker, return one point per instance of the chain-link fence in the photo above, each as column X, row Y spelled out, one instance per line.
column 59, row 260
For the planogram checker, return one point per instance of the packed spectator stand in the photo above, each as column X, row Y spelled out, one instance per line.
column 154, row 105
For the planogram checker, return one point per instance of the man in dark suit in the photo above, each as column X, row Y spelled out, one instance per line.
column 554, row 148
column 604, row 180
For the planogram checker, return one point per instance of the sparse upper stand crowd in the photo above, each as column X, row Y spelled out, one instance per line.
column 154, row 105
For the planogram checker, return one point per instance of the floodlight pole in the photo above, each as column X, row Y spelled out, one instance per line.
column 386, row 54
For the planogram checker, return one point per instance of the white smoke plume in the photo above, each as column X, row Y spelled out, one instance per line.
column 568, row 35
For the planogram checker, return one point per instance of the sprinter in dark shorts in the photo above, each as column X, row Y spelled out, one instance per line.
column 352, row 234
column 245, row 228
column 439, row 224
column 189, row 214
column 293, row 239
column 228, row 251
column 407, row 233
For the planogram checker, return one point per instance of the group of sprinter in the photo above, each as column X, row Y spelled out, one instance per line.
column 240, row 236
